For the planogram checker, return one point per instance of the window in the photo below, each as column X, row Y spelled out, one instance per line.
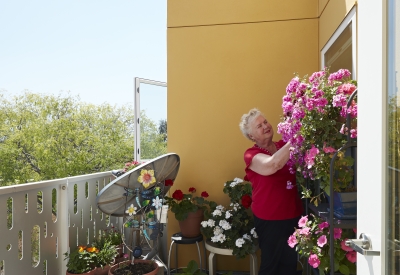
column 340, row 51
column 150, row 119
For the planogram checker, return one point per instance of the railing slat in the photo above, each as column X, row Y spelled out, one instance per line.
column 56, row 237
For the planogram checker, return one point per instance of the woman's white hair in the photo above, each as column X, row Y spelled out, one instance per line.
column 246, row 120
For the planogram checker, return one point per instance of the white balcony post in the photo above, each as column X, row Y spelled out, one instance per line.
column 63, row 241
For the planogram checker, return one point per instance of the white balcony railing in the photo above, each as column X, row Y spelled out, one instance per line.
column 41, row 221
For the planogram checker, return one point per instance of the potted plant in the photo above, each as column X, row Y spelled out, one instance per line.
column 311, row 240
column 105, row 257
column 82, row 260
column 189, row 210
column 314, row 110
column 233, row 227
column 140, row 267
column 111, row 235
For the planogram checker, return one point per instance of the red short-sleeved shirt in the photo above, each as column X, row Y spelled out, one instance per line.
column 275, row 197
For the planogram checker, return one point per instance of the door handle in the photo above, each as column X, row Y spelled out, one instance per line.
column 363, row 245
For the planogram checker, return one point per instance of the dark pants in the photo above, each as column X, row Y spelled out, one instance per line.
column 277, row 257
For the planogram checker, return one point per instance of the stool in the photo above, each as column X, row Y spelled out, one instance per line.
column 224, row 251
column 179, row 239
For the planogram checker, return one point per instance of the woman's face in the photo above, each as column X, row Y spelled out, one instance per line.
column 261, row 129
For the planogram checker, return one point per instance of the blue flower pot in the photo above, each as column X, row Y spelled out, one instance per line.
column 344, row 204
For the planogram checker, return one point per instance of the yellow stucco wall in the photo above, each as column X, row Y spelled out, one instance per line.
column 225, row 58
column 332, row 13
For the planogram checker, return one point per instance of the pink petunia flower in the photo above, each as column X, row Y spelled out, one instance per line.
column 313, row 260
column 328, row 149
column 322, row 241
column 343, row 130
column 337, row 233
column 323, row 225
column 303, row 221
column 346, row 89
column 351, row 256
column 292, row 241
column 344, row 246
column 353, row 133
column 310, row 156
column 305, row 231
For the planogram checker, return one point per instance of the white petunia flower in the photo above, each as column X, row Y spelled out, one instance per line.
column 217, row 231
column 204, row 223
column 221, row 238
column 131, row 210
column 247, row 236
column 220, row 207
column 233, row 184
column 254, row 233
column 228, row 214
column 225, row 225
column 210, row 223
column 239, row 242
column 238, row 180
column 217, row 213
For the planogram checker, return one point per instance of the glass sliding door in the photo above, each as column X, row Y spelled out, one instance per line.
column 393, row 139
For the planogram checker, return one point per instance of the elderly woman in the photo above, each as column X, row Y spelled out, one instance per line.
column 276, row 203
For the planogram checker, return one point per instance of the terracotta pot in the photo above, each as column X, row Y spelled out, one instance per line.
column 190, row 227
column 102, row 271
column 154, row 272
column 91, row 272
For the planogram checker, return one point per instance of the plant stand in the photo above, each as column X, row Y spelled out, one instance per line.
column 212, row 261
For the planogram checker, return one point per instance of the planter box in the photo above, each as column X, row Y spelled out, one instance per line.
column 344, row 205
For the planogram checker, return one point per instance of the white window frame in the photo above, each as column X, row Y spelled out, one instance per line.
column 350, row 18
column 137, row 82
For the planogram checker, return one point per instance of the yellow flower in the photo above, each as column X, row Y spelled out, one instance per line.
column 81, row 248
column 92, row 249
column 131, row 210
column 146, row 177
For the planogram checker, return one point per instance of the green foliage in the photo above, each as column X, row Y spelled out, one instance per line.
column 112, row 235
column 182, row 204
column 192, row 269
column 106, row 254
column 45, row 137
column 232, row 227
column 82, row 260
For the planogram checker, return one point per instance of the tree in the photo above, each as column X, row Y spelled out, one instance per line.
column 45, row 137
column 152, row 142
column 162, row 128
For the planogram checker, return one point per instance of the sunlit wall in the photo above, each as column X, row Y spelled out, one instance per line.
column 225, row 57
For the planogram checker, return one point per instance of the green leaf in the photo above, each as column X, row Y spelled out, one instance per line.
column 344, row 270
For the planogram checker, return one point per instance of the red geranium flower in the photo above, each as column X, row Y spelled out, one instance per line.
column 169, row 182
column 178, row 195
column 204, row 194
column 246, row 201
column 192, row 189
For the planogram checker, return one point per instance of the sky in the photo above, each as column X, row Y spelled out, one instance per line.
column 91, row 48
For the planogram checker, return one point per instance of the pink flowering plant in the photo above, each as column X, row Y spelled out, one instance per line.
column 315, row 111
column 311, row 240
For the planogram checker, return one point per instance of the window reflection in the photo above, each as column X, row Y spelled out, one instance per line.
column 393, row 116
